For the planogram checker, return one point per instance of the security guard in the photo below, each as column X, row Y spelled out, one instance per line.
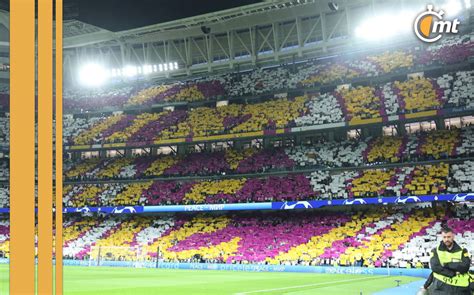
column 450, row 265
column 471, row 284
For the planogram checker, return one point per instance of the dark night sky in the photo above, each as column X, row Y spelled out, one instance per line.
column 117, row 15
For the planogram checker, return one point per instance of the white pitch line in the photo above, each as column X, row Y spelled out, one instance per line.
column 302, row 286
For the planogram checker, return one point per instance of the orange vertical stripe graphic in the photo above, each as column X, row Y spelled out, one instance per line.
column 45, row 147
column 425, row 26
column 59, row 147
column 22, row 147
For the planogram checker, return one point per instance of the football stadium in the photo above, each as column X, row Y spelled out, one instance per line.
column 263, row 147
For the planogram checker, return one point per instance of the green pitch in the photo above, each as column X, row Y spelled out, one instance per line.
column 105, row 280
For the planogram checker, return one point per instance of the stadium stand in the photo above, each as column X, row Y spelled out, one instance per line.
column 462, row 175
column 83, row 100
column 262, row 81
column 5, row 129
column 4, row 170
column 418, row 249
column 450, row 50
column 4, row 238
column 73, row 126
column 190, row 91
column 415, row 95
column 4, row 97
column 401, row 236
column 4, row 196
column 421, row 146
column 375, row 182
column 340, row 91
column 462, row 92
column 322, row 109
column 407, row 179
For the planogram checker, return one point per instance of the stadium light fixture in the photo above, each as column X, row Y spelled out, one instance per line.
column 129, row 71
column 147, row 69
column 453, row 7
column 384, row 27
column 333, row 6
column 92, row 75
column 132, row 71
column 467, row 3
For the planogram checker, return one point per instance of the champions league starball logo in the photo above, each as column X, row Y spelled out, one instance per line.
column 409, row 199
column 355, row 202
column 463, row 197
column 118, row 210
column 83, row 209
column 296, row 205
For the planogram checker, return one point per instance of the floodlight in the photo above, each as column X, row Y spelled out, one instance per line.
column 161, row 67
column 453, row 7
column 333, row 6
column 147, row 69
column 467, row 3
column 92, row 75
column 129, row 71
column 205, row 30
column 175, row 65
column 384, row 27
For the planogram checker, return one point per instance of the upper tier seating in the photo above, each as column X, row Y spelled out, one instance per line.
column 342, row 69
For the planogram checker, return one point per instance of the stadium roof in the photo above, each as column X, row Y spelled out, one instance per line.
column 4, row 26
column 129, row 14
column 176, row 26
column 269, row 31
column 82, row 31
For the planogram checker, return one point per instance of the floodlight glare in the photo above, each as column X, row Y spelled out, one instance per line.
column 175, row 65
column 171, row 65
column 147, row 69
column 384, row 27
column 92, row 75
column 129, row 71
column 161, row 68
column 467, row 3
column 453, row 7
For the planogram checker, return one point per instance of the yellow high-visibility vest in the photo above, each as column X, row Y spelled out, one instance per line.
column 460, row 280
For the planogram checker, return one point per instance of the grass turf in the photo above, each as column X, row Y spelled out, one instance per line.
column 106, row 280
